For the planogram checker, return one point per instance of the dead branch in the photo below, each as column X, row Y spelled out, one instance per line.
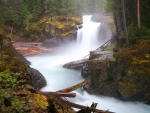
column 72, row 88
column 60, row 94
column 87, row 108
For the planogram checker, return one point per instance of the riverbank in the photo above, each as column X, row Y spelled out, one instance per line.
column 30, row 48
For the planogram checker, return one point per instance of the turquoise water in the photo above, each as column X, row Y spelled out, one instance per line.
column 51, row 66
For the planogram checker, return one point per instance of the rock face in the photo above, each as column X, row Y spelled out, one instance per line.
column 16, row 78
column 37, row 80
column 28, row 48
column 54, row 35
column 75, row 64
column 126, row 76
column 13, row 62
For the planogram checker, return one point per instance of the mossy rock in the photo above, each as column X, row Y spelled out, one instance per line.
column 128, row 90
column 66, row 33
column 38, row 101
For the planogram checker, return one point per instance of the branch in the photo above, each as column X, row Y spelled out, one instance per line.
column 87, row 108
column 60, row 94
column 79, row 85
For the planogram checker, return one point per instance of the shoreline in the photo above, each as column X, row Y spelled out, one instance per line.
column 31, row 48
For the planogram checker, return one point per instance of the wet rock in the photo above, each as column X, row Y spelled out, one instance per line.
column 75, row 64
column 53, row 42
column 84, row 71
column 126, row 76
column 37, row 80
column 30, row 88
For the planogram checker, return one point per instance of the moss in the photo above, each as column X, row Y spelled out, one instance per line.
column 128, row 89
column 77, row 20
column 66, row 33
column 94, row 56
column 39, row 101
column 72, row 24
column 2, row 66
column 60, row 25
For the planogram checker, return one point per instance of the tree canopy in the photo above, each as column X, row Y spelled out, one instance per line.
column 19, row 13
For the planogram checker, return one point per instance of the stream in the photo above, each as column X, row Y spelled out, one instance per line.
column 57, row 77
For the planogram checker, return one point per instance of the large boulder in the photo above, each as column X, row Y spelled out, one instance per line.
column 126, row 76
column 37, row 80
column 96, row 68
column 75, row 64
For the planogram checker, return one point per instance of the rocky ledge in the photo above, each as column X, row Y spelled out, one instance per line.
column 12, row 61
column 30, row 48
column 75, row 64
column 124, row 74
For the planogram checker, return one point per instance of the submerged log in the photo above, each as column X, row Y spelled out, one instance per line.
column 88, row 109
column 72, row 88
column 60, row 94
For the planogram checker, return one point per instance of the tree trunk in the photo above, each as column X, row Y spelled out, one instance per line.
column 60, row 94
column 124, row 23
column 11, row 33
column 138, row 13
column 115, row 15
column 87, row 109
column 79, row 85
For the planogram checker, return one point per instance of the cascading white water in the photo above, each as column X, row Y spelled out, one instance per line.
column 91, row 38
column 50, row 65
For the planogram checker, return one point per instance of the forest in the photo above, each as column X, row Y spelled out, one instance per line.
column 19, row 13
column 127, row 74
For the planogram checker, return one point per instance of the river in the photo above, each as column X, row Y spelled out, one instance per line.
column 57, row 77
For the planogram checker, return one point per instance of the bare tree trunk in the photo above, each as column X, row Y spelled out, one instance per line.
column 11, row 33
column 124, row 23
column 60, row 94
column 72, row 88
column 87, row 109
column 138, row 13
column 115, row 16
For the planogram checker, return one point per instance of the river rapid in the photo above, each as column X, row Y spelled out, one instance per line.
column 57, row 77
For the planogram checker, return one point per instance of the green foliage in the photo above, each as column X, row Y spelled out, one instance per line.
column 108, row 6
column 135, row 33
column 10, row 103
column 131, row 19
column 10, row 81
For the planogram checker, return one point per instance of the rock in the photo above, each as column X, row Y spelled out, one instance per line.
column 96, row 68
column 75, row 64
column 37, row 80
column 53, row 42
column 84, row 71
column 78, row 27
column 30, row 88
column 125, row 77
column 115, row 49
column 17, row 63
column 29, row 48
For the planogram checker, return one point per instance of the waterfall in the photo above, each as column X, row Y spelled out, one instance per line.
column 50, row 65
column 89, row 38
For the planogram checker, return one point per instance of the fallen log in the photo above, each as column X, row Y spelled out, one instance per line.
column 87, row 108
column 60, row 94
column 72, row 88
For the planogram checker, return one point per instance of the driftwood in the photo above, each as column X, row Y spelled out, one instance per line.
column 79, row 85
column 60, row 94
column 86, row 108
column 64, row 93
